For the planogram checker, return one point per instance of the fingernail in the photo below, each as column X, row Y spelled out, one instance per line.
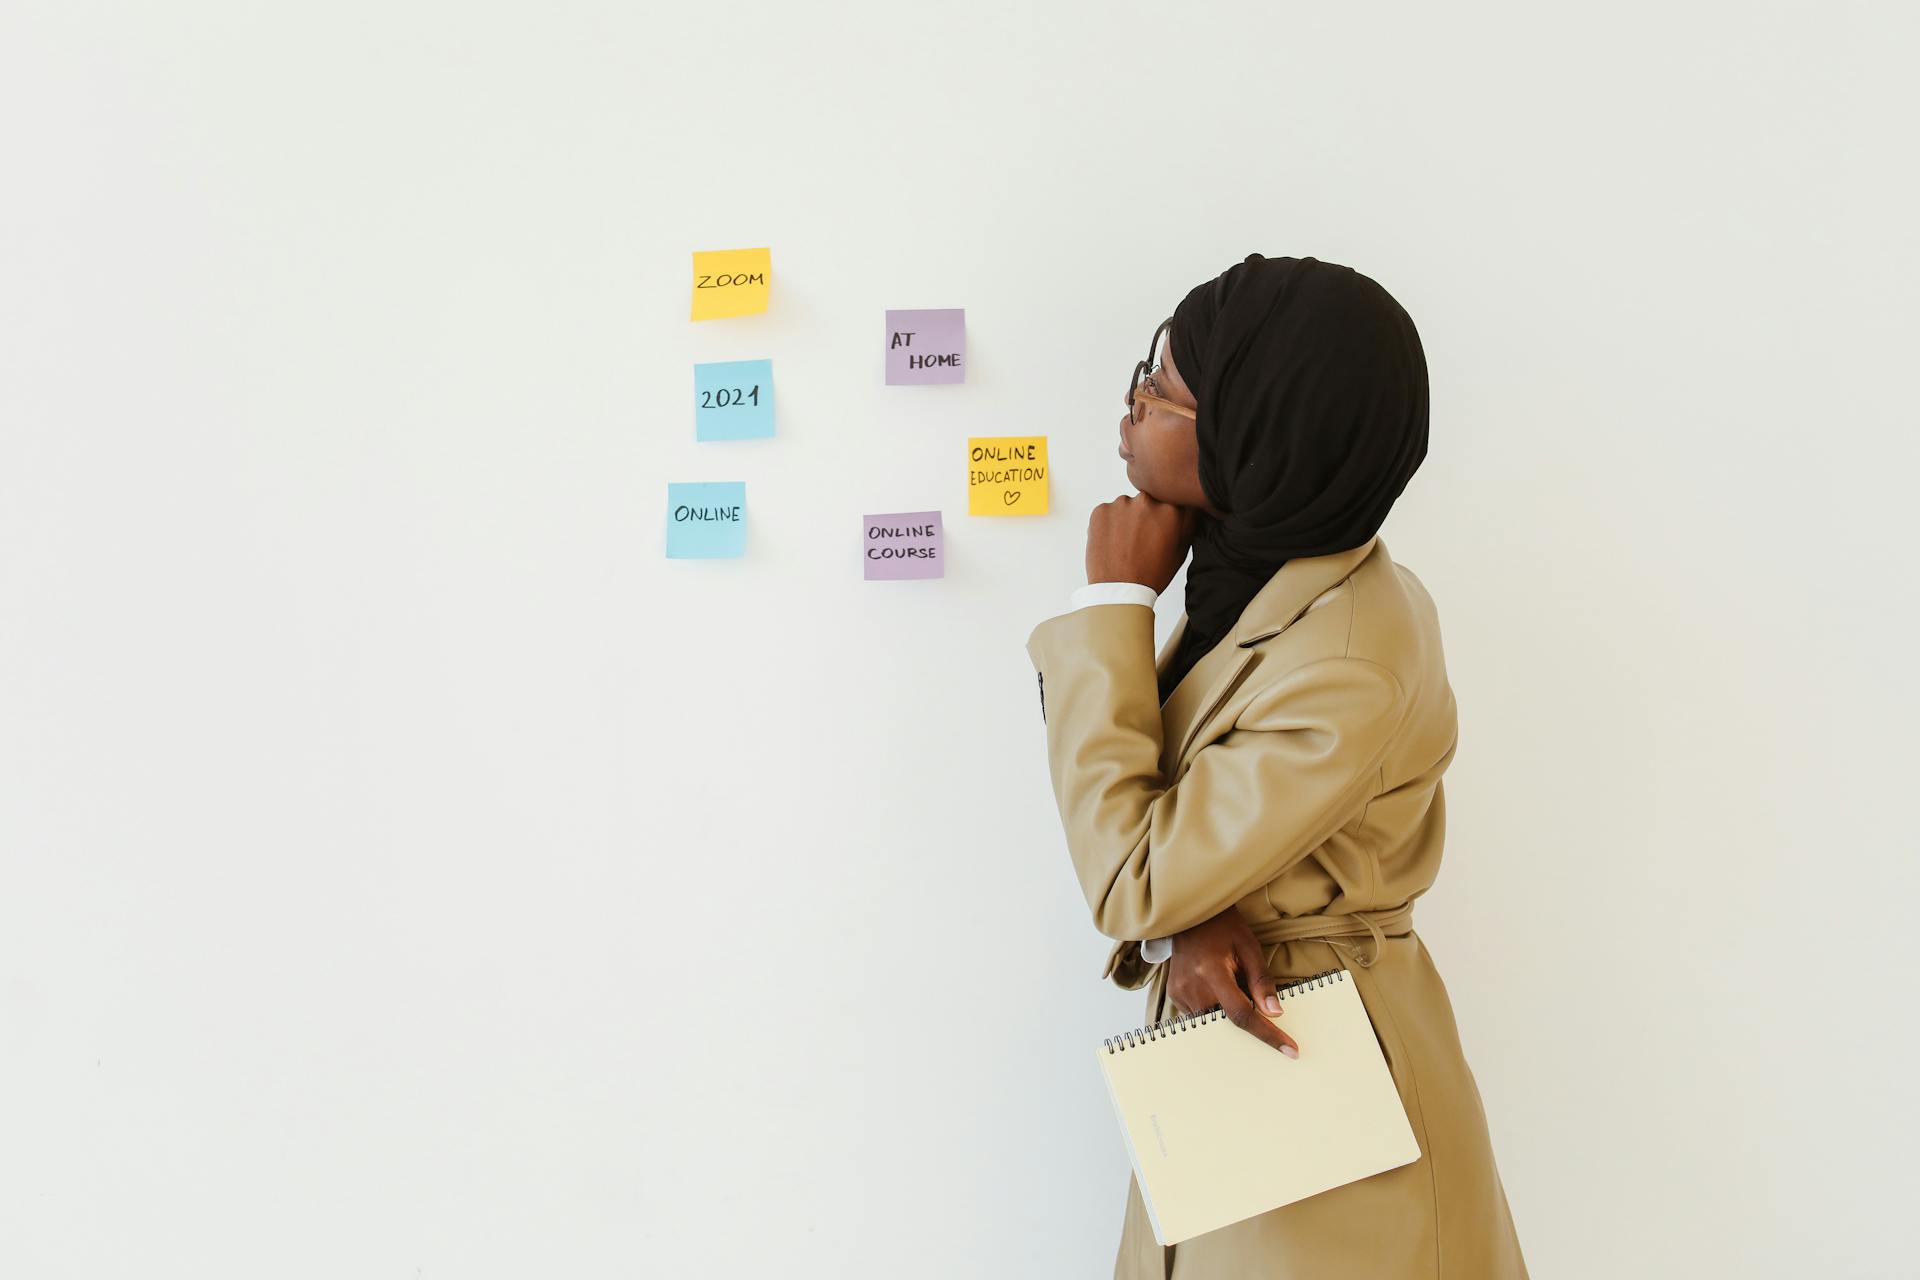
column 1289, row 1050
column 1273, row 1003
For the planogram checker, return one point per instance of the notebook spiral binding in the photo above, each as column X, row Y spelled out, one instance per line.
column 1180, row 1022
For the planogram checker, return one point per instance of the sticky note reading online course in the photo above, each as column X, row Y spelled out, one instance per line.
column 1007, row 476
column 730, row 282
column 707, row 521
column 926, row 346
column 905, row 544
column 733, row 400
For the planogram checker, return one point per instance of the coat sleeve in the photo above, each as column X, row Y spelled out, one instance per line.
column 1152, row 858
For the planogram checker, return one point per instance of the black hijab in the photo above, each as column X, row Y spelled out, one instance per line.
column 1311, row 386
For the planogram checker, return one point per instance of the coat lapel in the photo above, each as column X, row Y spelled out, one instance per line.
column 1272, row 610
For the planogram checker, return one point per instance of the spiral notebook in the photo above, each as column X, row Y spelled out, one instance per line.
column 1220, row 1126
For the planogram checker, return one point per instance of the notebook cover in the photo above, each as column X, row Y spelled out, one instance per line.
column 1221, row 1127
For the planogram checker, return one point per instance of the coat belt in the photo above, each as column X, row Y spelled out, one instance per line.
column 1380, row 925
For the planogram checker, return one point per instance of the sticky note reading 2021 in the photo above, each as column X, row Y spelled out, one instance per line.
column 1007, row 476
column 733, row 400
column 730, row 282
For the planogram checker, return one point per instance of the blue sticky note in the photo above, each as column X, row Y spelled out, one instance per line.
column 733, row 400
column 707, row 521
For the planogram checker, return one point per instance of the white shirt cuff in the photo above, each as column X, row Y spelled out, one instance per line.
column 1154, row 950
column 1114, row 593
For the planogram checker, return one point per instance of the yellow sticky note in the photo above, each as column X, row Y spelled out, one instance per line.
column 730, row 282
column 1007, row 476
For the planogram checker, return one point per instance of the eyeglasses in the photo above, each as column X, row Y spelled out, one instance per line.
column 1137, row 400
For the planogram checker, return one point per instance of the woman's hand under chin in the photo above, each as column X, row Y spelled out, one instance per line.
column 1138, row 539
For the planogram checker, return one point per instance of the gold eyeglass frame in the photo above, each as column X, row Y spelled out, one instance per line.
column 1146, row 368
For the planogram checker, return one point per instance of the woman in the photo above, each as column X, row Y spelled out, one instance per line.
column 1266, row 794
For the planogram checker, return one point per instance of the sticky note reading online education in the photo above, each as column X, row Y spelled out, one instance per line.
column 1007, row 476
column 707, row 521
column 926, row 346
column 730, row 282
column 905, row 544
column 733, row 400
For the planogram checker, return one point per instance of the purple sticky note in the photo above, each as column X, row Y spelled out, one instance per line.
column 926, row 346
column 904, row 544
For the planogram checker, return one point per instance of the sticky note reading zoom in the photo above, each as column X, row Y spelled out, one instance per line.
column 926, row 346
column 1007, row 476
column 707, row 521
column 730, row 282
column 733, row 400
column 905, row 544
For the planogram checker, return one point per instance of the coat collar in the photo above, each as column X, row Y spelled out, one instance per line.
column 1273, row 609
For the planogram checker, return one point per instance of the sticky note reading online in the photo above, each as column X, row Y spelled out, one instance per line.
column 926, row 346
column 730, row 282
column 1007, row 476
column 707, row 521
column 905, row 544
column 733, row 400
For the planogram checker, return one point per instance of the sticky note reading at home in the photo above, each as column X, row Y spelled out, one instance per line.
column 926, row 346
column 1007, row 476
column 905, row 544
column 733, row 400
column 707, row 521
column 730, row 282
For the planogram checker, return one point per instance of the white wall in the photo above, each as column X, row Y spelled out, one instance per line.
column 409, row 872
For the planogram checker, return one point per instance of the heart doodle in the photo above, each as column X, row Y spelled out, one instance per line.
column 1010, row 496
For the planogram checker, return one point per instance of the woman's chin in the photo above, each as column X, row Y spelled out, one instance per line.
column 1142, row 484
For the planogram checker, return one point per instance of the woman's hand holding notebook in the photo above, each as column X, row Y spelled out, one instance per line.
column 1211, row 960
column 1220, row 1127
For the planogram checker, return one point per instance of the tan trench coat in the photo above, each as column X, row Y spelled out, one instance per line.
column 1294, row 774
